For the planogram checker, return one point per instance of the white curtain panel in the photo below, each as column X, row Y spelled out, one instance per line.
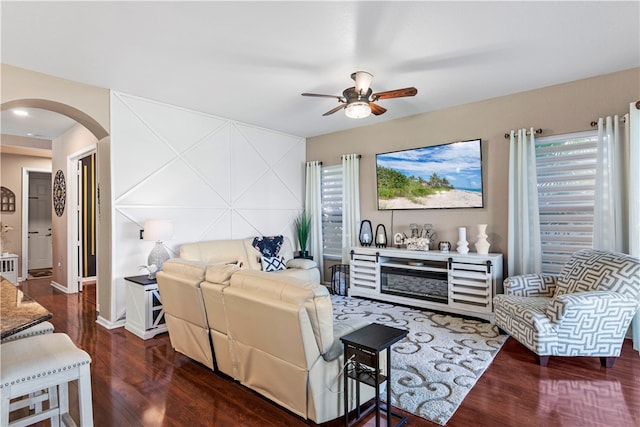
column 313, row 206
column 634, row 179
column 634, row 198
column 350, row 203
column 612, row 185
column 524, row 247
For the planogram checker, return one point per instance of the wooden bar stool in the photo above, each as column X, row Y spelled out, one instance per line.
column 44, row 362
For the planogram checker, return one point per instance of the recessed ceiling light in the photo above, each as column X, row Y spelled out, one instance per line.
column 20, row 112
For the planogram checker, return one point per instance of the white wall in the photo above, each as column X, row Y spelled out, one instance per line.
column 214, row 178
column 76, row 139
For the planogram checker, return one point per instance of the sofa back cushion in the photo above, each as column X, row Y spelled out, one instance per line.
column 595, row 270
column 313, row 297
column 215, row 251
column 231, row 250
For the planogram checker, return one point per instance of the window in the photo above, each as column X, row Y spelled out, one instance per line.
column 332, row 211
column 566, row 168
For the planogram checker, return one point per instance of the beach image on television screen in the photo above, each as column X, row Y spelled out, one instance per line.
column 441, row 176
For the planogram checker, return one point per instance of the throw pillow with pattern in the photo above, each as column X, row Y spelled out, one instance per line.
column 268, row 246
column 273, row 263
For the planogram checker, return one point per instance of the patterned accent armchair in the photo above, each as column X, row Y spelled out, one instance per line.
column 584, row 311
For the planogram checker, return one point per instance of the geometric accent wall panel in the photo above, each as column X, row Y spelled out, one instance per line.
column 139, row 154
column 210, row 160
column 178, row 127
column 176, row 184
column 266, row 222
column 214, row 178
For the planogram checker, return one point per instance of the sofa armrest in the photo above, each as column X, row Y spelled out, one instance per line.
column 340, row 329
column 583, row 308
column 302, row 263
column 530, row 285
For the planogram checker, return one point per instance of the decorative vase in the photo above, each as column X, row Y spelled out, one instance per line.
column 463, row 245
column 482, row 245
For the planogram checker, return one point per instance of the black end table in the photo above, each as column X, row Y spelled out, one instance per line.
column 363, row 348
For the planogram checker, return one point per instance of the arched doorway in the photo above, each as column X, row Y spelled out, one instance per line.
column 102, row 136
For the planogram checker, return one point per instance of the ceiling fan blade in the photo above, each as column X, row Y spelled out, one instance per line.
column 323, row 96
column 398, row 93
column 376, row 109
column 338, row 108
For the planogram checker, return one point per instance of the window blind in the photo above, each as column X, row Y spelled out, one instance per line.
column 332, row 211
column 566, row 168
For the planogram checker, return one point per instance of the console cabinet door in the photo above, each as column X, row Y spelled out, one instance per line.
column 364, row 275
column 470, row 286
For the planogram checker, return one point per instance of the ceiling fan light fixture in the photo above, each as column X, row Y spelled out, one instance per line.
column 357, row 110
column 363, row 81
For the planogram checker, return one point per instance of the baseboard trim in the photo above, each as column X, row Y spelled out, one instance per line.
column 60, row 287
column 108, row 324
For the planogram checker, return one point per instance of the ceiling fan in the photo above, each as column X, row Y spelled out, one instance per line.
column 359, row 101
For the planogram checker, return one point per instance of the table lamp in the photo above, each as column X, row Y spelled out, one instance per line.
column 158, row 230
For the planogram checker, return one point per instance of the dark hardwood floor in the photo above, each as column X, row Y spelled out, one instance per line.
column 146, row 383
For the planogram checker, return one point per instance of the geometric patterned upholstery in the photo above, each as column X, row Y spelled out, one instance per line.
column 585, row 311
column 590, row 270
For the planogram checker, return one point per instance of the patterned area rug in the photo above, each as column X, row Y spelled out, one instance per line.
column 438, row 363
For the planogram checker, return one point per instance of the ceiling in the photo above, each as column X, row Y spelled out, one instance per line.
column 250, row 61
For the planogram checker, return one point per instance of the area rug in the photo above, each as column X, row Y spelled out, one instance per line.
column 41, row 272
column 438, row 363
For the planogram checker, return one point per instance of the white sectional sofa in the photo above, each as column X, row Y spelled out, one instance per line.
column 273, row 332
column 241, row 251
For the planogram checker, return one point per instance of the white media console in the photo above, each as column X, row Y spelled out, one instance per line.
column 445, row 281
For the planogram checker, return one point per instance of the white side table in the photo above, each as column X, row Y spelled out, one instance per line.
column 145, row 315
column 9, row 267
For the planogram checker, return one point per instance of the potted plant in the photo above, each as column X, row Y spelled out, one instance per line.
column 303, row 228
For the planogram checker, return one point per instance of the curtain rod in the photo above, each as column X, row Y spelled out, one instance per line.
column 638, row 105
column 359, row 155
column 536, row 131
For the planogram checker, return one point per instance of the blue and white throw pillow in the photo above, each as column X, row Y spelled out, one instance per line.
column 273, row 263
column 268, row 246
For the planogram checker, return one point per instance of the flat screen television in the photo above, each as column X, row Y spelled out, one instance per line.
column 445, row 176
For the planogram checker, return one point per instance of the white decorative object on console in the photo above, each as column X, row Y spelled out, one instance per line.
column 482, row 245
column 417, row 243
column 463, row 245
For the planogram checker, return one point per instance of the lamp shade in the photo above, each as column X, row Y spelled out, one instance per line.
column 363, row 81
column 158, row 229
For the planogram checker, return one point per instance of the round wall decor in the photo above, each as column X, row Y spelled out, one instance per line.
column 59, row 193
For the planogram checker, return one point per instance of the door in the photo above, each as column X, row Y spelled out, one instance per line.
column 87, row 220
column 39, row 228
